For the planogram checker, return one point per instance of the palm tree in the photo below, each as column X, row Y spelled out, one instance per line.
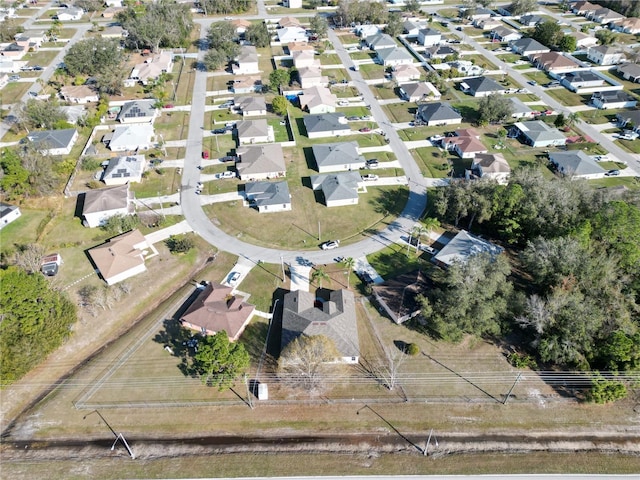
column 430, row 224
column 319, row 275
column 572, row 118
column 349, row 262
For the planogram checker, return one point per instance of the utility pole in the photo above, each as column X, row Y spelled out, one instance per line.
column 425, row 452
column 319, row 236
column 511, row 389
column 126, row 445
column 282, row 264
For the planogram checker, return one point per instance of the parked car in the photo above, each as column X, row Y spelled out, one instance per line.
column 228, row 158
column 330, row 245
column 227, row 174
column 14, row 78
column 353, row 118
column 364, row 276
column 370, row 177
column 365, row 130
column 612, row 173
column 365, row 118
column 219, row 131
column 601, row 158
column 233, row 278
column 205, row 154
column 168, row 105
column 372, row 163
column 38, row 68
column 343, row 103
column 532, row 82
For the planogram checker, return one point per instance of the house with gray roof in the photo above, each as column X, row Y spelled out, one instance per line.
column 126, row 169
column 261, row 162
column 504, row 34
column 462, row 247
column 576, row 164
column 268, row 197
column 520, row 109
column 380, row 41
column 630, row 72
column 528, row 47
column 8, row 213
column 481, row 86
column 537, row 134
column 439, row 51
column 251, row 106
column 438, row 113
column 417, row 91
column 530, row 20
column 246, row 62
column 304, row 314
column 428, row 37
column 391, row 57
column 54, row 142
column 581, row 79
column 333, row 157
column 101, row 204
column 326, row 125
column 254, row 131
column 138, row 111
column 629, row 119
column 339, row 189
column 613, row 99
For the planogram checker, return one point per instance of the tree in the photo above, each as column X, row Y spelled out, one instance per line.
column 88, row 5
column 548, row 33
column 621, row 352
column 93, row 56
column 606, row 37
column 180, row 244
column 14, row 178
column 258, row 35
column 349, row 263
column 567, row 43
column 214, row 59
column 319, row 274
column 390, row 369
column 493, row 108
column 573, row 118
column 520, row 7
column 605, row 391
column 430, row 224
column 617, row 227
column 279, row 78
column 319, row 25
column 41, row 114
column 117, row 224
column 306, row 360
column 362, row 11
column 225, row 6
column 219, row 362
column 280, row 105
column 220, row 36
column 412, row 6
column 9, row 30
column 560, row 120
column 29, row 257
column 394, row 25
column 36, row 319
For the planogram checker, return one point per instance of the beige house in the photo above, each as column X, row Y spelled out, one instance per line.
column 121, row 257
column 80, row 94
column 554, row 62
column 312, row 77
column 405, row 73
column 491, row 165
column 317, row 100
column 261, row 162
column 150, row 69
column 247, row 62
column 304, row 58
column 218, row 308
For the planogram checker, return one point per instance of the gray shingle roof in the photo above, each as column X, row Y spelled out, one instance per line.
column 394, row 53
column 325, row 122
column 137, row 109
column 268, row 193
column 337, row 154
column 106, row 199
column 50, row 139
column 528, row 45
column 575, row 163
column 337, row 186
column 537, row 130
column 430, row 112
column 483, row 84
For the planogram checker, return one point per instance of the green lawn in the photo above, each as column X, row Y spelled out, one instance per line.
column 396, row 259
column 630, row 145
column 400, row 112
column 362, row 55
column 568, row 98
column 172, row 125
column 330, row 59
column 372, row 71
column 159, row 181
column 385, row 91
column 432, row 162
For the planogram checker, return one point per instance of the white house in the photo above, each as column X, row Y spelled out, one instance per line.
column 312, row 77
column 318, row 100
column 138, row 136
column 304, row 58
column 254, row 131
column 138, row 111
column 291, row 34
column 268, row 197
column 391, row 57
column 261, row 162
column 405, row 73
column 576, row 164
column 101, row 204
column 326, row 125
column 150, row 69
column 293, row 3
column 8, row 213
column 122, row 170
column 491, row 165
column 613, row 99
column 604, row 55
column 428, row 37
column 69, row 14
column 247, row 62
column 54, row 142
column 121, row 257
column 80, row 94
column 339, row 189
column 334, row 157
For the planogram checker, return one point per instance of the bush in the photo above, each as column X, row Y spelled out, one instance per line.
column 605, row 391
column 90, row 164
column 413, row 349
column 179, row 244
column 520, row 360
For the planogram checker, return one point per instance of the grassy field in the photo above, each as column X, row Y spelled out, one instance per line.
column 400, row 112
column 568, row 98
column 172, row 125
column 385, row 91
column 370, row 71
column 431, row 162
column 158, row 181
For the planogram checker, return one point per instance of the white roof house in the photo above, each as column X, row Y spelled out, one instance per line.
column 139, row 136
column 151, row 68
column 291, row 34
column 312, row 77
column 247, row 62
column 318, row 100
column 463, row 246
column 126, row 169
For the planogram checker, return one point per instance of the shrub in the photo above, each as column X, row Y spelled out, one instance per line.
column 605, row 391
column 179, row 244
column 520, row 360
column 413, row 349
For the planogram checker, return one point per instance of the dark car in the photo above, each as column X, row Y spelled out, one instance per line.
column 219, row 131
column 228, row 158
column 38, row 67
column 365, row 130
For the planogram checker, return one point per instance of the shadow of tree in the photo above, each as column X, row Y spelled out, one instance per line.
column 390, row 202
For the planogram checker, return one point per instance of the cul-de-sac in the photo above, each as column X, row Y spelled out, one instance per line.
column 254, row 238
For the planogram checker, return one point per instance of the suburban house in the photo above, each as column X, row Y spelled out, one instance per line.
column 251, row 106
column 254, row 131
column 366, row 31
column 289, row 22
column 218, row 308
column 390, row 57
column 465, row 143
column 338, row 189
column 481, row 86
column 14, row 51
column 54, row 142
column 438, row 113
column 326, row 125
column 428, row 37
column 399, row 296
column 304, row 58
column 419, row 91
column 554, row 62
column 584, row 40
column 299, row 46
column 628, row 25
column 249, row 84
column 126, row 169
column 581, row 79
column 304, row 314
column 111, row 12
column 8, row 65
column 605, row 16
column 317, row 100
column 604, row 55
column 411, row 28
column 630, row 72
column 530, row 20
column 138, row 136
column 629, row 119
column 247, row 62
column 439, row 51
column 466, row 67
column 69, row 14
column 100, row 205
column 114, row 31
column 74, row 112
column 268, row 197
column 536, row 133
column 503, row 34
column 241, row 25
column 293, row 3
column 520, row 110
column 584, row 8
column 405, row 73
column 576, row 164
column 291, row 34
column 8, row 213
column 462, row 247
column 613, row 99
column 32, row 39
column 333, row 157
column 312, row 77
column 261, row 162
column 80, row 94
column 138, row 111
column 121, row 257
column 487, row 23
column 528, row 47
column 381, row 40
column 476, row 13
column 491, row 165
column 150, row 69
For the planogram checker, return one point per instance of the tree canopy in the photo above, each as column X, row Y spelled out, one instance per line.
column 306, row 360
column 93, row 56
column 219, row 362
column 520, row 7
column 36, row 319
column 225, row 6
column 258, row 34
column 493, row 108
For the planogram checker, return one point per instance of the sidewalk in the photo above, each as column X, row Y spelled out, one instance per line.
column 161, row 235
